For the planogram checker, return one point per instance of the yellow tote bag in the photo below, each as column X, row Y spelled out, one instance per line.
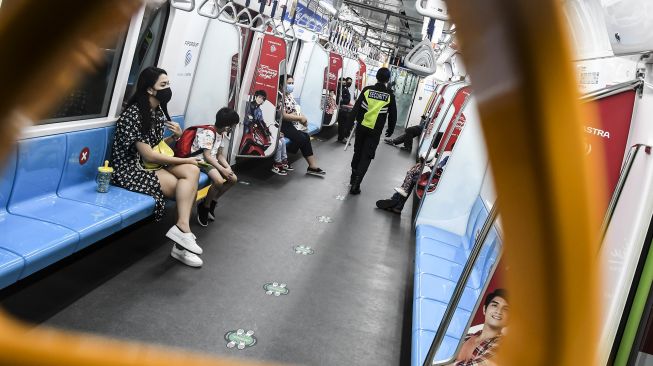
column 160, row 148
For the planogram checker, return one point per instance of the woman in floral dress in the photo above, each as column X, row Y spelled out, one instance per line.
column 138, row 130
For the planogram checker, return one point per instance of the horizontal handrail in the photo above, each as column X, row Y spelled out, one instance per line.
column 612, row 90
column 623, row 176
column 429, row 12
column 459, row 289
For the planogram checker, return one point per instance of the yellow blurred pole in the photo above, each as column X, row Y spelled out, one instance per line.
column 520, row 64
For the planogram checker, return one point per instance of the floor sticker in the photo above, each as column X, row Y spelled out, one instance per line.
column 240, row 338
column 276, row 288
column 341, row 197
column 303, row 250
column 324, row 219
column 245, row 183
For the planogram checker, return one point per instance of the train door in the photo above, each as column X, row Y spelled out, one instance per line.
column 312, row 90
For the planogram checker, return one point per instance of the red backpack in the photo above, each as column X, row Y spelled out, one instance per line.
column 185, row 142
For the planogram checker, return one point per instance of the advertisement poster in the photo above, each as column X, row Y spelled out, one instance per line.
column 260, row 128
column 361, row 74
column 334, row 70
column 610, row 132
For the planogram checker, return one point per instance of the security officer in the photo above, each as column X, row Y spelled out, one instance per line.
column 374, row 105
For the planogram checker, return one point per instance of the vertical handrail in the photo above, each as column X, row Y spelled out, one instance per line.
column 623, row 176
column 440, row 152
column 441, row 121
column 460, row 287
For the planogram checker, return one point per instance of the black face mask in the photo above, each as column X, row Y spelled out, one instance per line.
column 348, row 84
column 164, row 95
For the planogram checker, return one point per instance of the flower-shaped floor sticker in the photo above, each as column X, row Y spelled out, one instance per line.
column 240, row 338
column 276, row 288
column 341, row 197
column 324, row 219
column 303, row 250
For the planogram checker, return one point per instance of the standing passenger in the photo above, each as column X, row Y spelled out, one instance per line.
column 374, row 106
column 343, row 97
column 138, row 130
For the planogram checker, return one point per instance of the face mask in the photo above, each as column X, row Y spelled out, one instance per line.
column 290, row 88
column 164, row 95
column 348, row 84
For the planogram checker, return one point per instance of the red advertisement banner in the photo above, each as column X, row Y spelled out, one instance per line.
column 335, row 66
column 273, row 52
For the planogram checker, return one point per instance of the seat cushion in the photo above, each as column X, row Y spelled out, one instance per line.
column 92, row 222
column 131, row 206
column 441, row 249
column 442, row 235
column 11, row 267
column 39, row 243
column 437, row 288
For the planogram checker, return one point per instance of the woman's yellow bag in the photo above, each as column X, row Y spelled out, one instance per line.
column 161, row 148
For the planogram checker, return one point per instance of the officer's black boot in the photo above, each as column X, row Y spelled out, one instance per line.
column 355, row 185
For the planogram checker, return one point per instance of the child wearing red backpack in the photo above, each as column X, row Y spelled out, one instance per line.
column 207, row 147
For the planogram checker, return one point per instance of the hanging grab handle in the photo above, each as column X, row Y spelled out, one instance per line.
column 422, row 59
column 431, row 13
column 213, row 13
column 188, row 5
column 228, row 18
column 246, row 14
column 258, row 28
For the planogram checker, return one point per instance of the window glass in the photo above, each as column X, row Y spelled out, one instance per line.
column 150, row 39
column 92, row 96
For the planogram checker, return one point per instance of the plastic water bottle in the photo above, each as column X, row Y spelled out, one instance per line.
column 104, row 177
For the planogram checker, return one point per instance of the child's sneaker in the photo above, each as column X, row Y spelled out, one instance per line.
column 202, row 214
column 287, row 166
column 278, row 169
column 212, row 210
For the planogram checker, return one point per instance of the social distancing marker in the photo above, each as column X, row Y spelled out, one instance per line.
column 240, row 339
column 245, row 183
column 276, row 288
column 303, row 250
column 324, row 219
column 341, row 197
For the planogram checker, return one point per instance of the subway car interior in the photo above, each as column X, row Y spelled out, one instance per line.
column 326, row 182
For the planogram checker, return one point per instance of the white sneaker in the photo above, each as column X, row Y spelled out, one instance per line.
column 186, row 257
column 401, row 191
column 186, row 240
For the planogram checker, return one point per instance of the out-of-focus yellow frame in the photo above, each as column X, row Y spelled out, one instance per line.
column 517, row 55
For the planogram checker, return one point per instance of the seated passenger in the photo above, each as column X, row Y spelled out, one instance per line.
column 480, row 348
column 208, row 146
column 294, row 125
column 330, row 107
column 139, row 168
column 396, row 202
column 407, row 137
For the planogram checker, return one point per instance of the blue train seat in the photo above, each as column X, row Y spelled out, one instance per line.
column 27, row 245
column 78, row 180
column 38, row 173
column 313, row 129
column 440, row 258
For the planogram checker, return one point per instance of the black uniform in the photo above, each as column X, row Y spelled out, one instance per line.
column 374, row 106
column 344, row 114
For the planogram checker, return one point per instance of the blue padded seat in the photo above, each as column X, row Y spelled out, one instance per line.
column 440, row 258
column 78, row 180
column 313, row 129
column 37, row 244
column 38, row 172
column 11, row 267
column 204, row 180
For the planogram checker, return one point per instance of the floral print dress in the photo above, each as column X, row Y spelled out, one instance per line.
column 128, row 172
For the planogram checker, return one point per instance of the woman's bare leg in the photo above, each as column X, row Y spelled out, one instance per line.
column 180, row 182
